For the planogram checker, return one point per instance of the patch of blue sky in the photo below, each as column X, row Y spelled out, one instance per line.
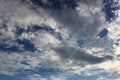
column 48, row 72
column 33, row 28
column 24, row 74
column 56, row 4
column 9, row 49
column 103, row 33
column 81, row 43
column 6, row 77
column 28, row 46
column 109, row 9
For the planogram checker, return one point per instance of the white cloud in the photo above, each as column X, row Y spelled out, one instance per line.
column 110, row 66
column 101, row 78
column 10, row 62
column 27, row 35
column 36, row 77
column 45, row 40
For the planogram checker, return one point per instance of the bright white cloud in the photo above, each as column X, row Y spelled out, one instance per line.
column 110, row 66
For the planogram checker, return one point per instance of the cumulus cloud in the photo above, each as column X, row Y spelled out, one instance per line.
column 110, row 66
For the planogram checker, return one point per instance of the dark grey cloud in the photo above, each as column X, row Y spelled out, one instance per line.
column 84, row 23
column 79, row 26
column 78, row 55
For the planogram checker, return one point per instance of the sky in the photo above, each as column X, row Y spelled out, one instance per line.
column 59, row 40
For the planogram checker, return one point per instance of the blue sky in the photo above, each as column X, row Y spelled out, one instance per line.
column 59, row 40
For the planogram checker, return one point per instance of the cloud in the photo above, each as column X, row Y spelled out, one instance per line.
column 36, row 77
column 101, row 78
column 84, row 21
column 110, row 66
column 72, row 53
column 11, row 62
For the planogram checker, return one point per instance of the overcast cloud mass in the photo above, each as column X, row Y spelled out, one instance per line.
column 59, row 40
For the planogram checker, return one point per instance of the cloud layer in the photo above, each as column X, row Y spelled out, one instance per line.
column 45, row 34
